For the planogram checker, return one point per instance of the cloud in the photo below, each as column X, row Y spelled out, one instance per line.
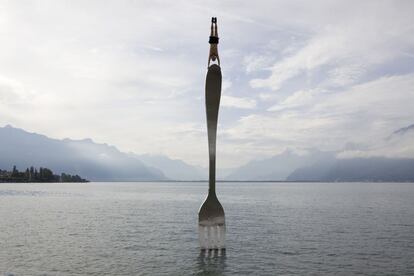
column 297, row 99
column 363, row 114
column 255, row 62
column 132, row 74
column 229, row 101
column 232, row 101
column 399, row 146
column 347, row 47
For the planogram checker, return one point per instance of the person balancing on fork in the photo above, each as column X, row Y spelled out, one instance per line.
column 211, row 218
column 214, row 40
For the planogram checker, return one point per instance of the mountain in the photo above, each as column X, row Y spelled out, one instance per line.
column 102, row 162
column 358, row 169
column 280, row 166
column 172, row 168
column 390, row 160
column 93, row 161
column 404, row 130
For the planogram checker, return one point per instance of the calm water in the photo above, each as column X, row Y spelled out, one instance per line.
column 151, row 229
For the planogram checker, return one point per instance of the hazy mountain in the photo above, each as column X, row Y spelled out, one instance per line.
column 96, row 162
column 404, row 130
column 280, row 166
column 173, row 168
column 362, row 163
column 370, row 167
column 221, row 173
column 101, row 162
column 325, row 166
column 358, row 169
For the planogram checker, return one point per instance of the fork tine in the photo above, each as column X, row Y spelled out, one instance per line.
column 222, row 231
column 201, row 236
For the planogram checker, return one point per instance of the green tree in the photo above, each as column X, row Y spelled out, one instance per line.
column 15, row 171
column 31, row 177
column 27, row 175
column 36, row 175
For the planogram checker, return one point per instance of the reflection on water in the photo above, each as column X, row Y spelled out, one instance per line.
column 211, row 262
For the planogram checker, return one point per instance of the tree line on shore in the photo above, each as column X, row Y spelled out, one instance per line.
column 37, row 175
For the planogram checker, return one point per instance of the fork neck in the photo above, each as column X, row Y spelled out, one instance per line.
column 212, row 176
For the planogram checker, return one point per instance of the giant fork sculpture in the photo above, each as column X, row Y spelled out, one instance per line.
column 211, row 222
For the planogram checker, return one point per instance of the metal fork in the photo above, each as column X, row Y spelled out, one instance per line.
column 211, row 222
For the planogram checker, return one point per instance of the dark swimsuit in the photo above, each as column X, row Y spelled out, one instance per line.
column 213, row 40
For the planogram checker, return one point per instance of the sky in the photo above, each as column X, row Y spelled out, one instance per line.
column 298, row 75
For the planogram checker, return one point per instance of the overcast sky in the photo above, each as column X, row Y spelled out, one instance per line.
column 332, row 75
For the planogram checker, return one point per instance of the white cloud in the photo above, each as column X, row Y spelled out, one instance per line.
column 132, row 74
column 363, row 114
column 226, row 85
column 348, row 46
column 255, row 62
column 399, row 146
column 297, row 99
column 229, row 101
column 315, row 54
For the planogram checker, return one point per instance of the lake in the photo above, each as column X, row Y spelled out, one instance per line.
column 151, row 229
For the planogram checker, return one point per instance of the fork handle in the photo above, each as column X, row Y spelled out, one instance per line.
column 213, row 93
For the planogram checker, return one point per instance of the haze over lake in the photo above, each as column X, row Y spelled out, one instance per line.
column 151, row 228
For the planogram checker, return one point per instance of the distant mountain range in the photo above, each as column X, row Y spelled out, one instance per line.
column 172, row 168
column 279, row 167
column 102, row 162
column 95, row 162
column 316, row 165
column 358, row 169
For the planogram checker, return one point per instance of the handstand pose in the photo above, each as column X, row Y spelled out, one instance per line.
column 214, row 40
